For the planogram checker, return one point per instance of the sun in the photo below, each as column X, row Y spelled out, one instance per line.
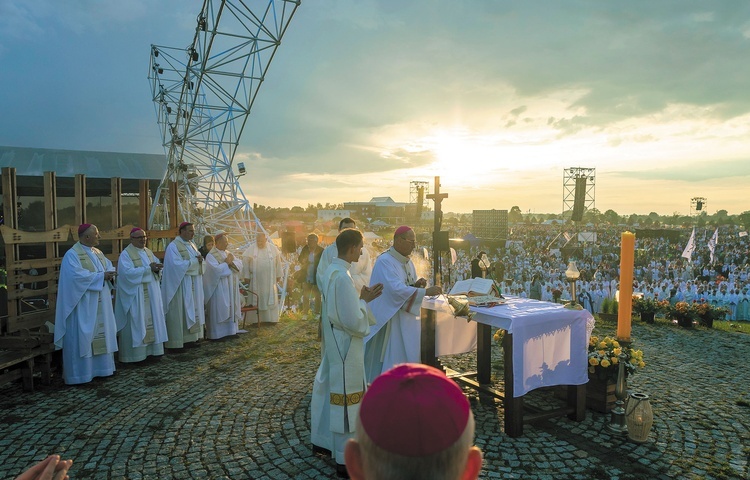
column 461, row 157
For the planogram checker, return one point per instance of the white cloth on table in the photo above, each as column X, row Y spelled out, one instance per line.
column 550, row 342
column 453, row 334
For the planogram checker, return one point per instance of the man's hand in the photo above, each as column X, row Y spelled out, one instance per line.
column 109, row 276
column 156, row 266
column 421, row 283
column 230, row 258
column 433, row 290
column 369, row 294
column 200, row 258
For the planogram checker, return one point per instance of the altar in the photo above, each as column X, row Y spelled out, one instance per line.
column 545, row 345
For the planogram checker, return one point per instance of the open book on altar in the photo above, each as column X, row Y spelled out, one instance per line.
column 474, row 287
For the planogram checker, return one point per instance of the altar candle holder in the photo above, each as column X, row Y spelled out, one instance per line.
column 572, row 275
column 617, row 422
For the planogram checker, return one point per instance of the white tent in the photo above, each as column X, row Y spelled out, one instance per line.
column 371, row 237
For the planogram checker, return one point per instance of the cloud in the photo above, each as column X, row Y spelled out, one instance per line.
column 693, row 172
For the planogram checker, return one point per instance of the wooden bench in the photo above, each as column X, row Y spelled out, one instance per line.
column 22, row 363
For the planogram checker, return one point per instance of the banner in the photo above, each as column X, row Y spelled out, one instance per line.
column 690, row 247
column 712, row 243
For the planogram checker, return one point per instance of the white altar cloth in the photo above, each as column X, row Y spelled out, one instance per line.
column 452, row 334
column 550, row 342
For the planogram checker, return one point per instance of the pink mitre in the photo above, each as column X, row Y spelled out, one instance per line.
column 402, row 230
column 83, row 227
column 414, row 410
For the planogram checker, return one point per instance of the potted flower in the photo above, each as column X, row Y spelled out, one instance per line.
column 610, row 307
column 683, row 312
column 648, row 307
column 604, row 360
column 707, row 313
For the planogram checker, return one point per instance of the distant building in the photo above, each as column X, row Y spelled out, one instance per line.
column 380, row 208
column 490, row 224
column 328, row 215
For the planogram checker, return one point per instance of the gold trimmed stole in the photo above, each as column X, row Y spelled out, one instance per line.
column 182, row 249
column 99, row 342
column 134, row 255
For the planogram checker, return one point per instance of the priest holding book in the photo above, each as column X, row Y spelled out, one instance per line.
column 395, row 338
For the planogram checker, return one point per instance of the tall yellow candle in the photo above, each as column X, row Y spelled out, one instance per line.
column 625, row 310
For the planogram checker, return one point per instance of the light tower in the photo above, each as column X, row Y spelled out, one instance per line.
column 697, row 205
column 418, row 191
column 579, row 191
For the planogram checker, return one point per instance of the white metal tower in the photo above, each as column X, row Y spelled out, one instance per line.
column 202, row 95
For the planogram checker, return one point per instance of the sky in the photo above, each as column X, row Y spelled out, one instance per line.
column 496, row 98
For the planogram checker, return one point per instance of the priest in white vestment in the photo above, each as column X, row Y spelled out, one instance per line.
column 340, row 380
column 138, row 307
column 395, row 338
column 221, row 290
column 85, row 326
column 261, row 271
column 182, row 289
column 360, row 270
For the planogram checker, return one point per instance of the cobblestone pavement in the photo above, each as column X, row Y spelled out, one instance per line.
column 239, row 409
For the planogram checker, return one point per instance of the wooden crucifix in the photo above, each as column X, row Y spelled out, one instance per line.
column 438, row 198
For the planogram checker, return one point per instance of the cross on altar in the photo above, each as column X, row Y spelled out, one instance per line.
column 438, row 198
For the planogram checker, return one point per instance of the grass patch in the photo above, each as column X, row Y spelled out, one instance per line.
column 722, row 470
column 732, row 326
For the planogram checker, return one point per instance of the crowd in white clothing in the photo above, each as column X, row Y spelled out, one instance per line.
column 660, row 270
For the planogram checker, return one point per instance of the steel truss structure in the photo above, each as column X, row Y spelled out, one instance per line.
column 570, row 177
column 697, row 205
column 203, row 94
column 418, row 191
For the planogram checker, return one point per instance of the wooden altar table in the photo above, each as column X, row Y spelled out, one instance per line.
column 546, row 345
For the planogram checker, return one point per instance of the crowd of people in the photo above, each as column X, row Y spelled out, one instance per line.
column 196, row 293
column 531, row 265
column 368, row 313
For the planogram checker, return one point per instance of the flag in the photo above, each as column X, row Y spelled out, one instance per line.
column 712, row 243
column 688, row 252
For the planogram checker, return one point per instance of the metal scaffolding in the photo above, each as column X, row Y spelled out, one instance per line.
column 202, row 95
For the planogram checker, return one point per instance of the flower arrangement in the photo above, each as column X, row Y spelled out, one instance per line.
column 498, row 336
column 604, row 358
column 649, row 305
column 707, row 313
column 683, row 312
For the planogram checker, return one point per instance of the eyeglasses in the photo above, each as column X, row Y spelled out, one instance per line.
column 407, row 240
column 138, row 238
